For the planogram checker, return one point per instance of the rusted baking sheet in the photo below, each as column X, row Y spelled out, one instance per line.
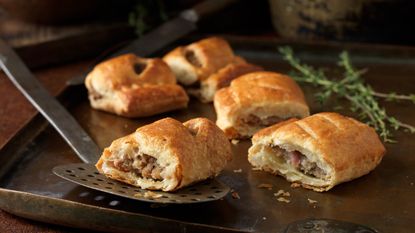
column 383, row 199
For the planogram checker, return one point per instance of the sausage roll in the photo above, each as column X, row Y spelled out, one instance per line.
column 199, row 60
column 134, row 87
column 317, row 152
column 223, row 78
column 257, row 100
column 206, row 66
column 167, row 155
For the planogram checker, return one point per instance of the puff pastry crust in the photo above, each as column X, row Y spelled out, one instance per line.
column 207, row 66
column 223, row 77
column 197, row 61
column 317, row 152
column 257, row 100
column 167, row 155
column 134, row 87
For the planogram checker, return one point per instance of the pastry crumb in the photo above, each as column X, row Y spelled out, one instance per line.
column 295, row 185
column 311, row 201
column 282, row 193
column 256, row 169
column 150, row 194
column 265, row 186
column 412, row 183
column 138, row 195
column 235, row 195
column 281, row 196
column 235, row 141
column 238, row 170
column 264, row 218
column 283, row 199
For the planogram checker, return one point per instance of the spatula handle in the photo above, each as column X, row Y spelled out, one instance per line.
column 47, row 105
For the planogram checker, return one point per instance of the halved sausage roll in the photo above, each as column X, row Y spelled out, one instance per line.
column 257, row 100
column 317, row 152
column 167, row 155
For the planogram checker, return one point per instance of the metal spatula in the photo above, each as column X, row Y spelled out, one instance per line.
column 86, row 174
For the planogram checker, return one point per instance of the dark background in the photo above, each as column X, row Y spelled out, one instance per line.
column 371, row 21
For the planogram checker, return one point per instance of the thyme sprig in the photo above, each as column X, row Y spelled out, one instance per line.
column 361, row 96
column 147, row 14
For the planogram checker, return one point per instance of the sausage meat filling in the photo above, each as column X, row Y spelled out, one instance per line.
column 192, row 59
column 253, row 120
column 301, row 163
column 144, row 166
column 139, row 67
column 95, row 95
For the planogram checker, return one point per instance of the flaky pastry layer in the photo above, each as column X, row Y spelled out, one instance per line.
column 167, row 155
column 317, row 152
column 257, row 100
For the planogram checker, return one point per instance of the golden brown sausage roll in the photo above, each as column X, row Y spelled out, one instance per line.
column 257, row 100
column 199, row 60
column 223, row 78
column 207, row 65
column 317, row 152
column 134, row 87
column 167, row 155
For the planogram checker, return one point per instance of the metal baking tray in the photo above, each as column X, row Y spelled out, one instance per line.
column 383, row 200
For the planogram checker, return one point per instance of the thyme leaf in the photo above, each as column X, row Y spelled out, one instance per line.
column 361, row 96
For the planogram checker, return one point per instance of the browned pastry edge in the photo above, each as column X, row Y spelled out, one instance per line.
column 263, row 94
column 197, row 61
column 127, row 71
column 222, row 78
column 152, row 99
column 344, row 148
column 197, row 149
column 270, row 129
column 134, row 87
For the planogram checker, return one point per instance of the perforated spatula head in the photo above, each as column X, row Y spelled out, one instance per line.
column 88, row 176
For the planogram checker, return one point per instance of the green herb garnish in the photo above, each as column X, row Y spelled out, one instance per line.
column 146, row 15
column 362, row 98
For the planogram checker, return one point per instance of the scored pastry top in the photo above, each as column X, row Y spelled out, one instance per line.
column 330, row 134
column 134, row 87
column 257, row 100
column 261, row 87
column 129, row 71
column 327, row 147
